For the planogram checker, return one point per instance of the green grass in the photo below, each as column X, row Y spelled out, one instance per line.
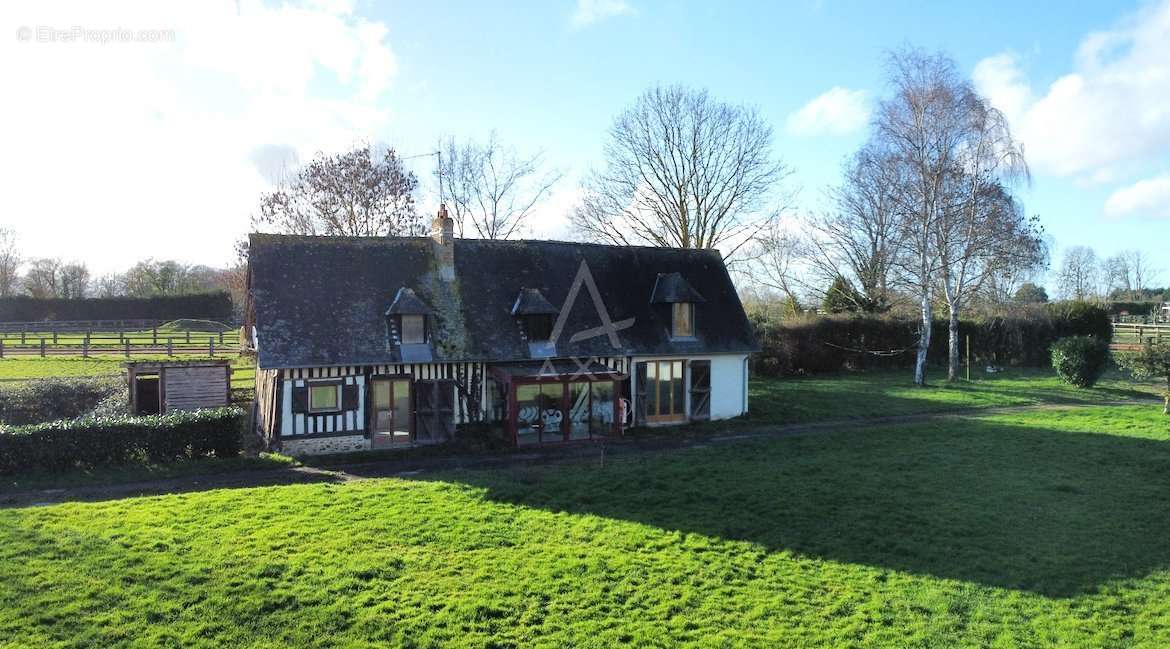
column 34, row 367
column 886, row 394
column 1033, row 529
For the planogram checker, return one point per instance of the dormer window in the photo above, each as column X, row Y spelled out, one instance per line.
column 673, row 291
column 414, row 329
column 683, row 320
column 536, row 315
column 407, row 319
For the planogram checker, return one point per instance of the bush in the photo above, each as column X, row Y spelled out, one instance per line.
column 98, row 441
column 41, row 400
column 1080, row 360
column 208, row 306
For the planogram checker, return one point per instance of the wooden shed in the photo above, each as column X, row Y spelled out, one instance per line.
column 158, row 387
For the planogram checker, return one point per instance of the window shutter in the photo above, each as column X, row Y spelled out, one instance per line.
column 700, row 390
column 349, row 397
column 300, row 399
column 640, row 394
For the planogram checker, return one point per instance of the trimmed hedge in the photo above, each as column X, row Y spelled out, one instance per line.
column 206, row 306
column 97, row 441
column 829, row 344
column 42, row 400
column 1080, row 360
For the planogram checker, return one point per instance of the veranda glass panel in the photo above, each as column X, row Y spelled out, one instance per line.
column 601, row 418
column 664, row 378
column 579, row 411
column 527, row 414
column 678, row 398
column 550, row 413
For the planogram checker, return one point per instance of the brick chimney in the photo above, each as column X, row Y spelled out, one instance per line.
column 443, row 236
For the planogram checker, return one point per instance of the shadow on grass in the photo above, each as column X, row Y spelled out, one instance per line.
column 1053, row 512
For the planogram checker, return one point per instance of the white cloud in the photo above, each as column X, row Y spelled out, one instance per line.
column 1111, row 110
column 1148, row 198
column 166, row 146
column 590, row 12
column 837, row 112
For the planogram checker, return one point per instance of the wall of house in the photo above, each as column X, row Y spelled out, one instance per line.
column 309, row 434
column 729, row 382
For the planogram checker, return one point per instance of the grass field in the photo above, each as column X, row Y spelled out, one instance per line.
column 1023, row 530
column 35, row 367
column 893, row 393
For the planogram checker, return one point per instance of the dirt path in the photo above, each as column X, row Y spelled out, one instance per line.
column 382, row 468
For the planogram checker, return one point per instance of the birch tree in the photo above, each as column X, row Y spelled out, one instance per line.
column 10, row 262
column 922, row 127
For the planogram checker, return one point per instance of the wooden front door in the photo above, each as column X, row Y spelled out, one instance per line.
column 390, row 407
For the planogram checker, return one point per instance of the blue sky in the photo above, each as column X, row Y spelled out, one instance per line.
column 184, row 132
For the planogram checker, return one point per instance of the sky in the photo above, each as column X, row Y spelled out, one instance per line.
column 132, row 130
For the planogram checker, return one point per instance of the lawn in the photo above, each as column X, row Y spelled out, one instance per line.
column 34, row 367
column 893, row 393
column 1028, row 529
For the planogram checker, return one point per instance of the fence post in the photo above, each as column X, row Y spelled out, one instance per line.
column 1, row 348
column 42, row 347
column 221, row 339
column 127, row 344
column 211, row 345
column 54, row 337
column 85, row 347
column 22, row 336
column 170, row 346
column 154, row 335
column 188, row 335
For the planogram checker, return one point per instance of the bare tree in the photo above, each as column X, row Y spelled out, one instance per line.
column 923, row 128
column 490, row 188
column 43, row 279
column 1078, row 277
column 73, row 282
column 356, row 193
column 10, row 262
column 860, row 239
column 1141, row 269
column 683, row 170
column 110, row 285
column 776, row 260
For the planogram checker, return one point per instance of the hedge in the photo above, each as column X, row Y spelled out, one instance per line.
column 42, row 400
column 833, row 343
column 97, row 441
column 205, row 306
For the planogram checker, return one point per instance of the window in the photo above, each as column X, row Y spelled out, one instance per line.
column 538, row 328
column 324, row 398
column 414, row 329
column 683, row 320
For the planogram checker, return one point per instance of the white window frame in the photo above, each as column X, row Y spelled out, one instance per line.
column 423, row 329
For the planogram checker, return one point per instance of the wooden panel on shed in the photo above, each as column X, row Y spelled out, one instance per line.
column 189, row 388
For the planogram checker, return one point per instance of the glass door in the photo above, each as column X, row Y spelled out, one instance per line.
column 390, row 403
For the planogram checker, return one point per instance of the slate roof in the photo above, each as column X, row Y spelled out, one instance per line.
column 531, row 302
column 671, row 288
column 321, row 301
column 406, row 302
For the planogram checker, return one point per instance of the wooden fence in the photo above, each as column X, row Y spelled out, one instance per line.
column 1131, row 337
column 94, row 338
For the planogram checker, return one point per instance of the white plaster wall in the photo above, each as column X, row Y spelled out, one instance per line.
column 728, row 385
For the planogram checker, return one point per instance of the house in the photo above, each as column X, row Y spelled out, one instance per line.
column 379, row 342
